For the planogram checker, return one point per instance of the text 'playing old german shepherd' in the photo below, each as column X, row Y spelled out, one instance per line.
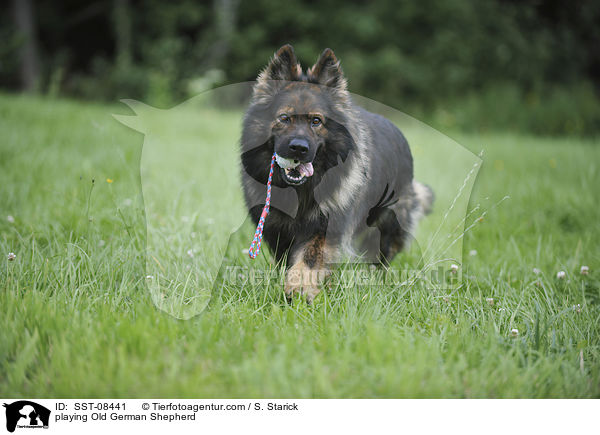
column 343, row 183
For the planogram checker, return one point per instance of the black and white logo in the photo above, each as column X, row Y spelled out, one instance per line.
column 25, row 414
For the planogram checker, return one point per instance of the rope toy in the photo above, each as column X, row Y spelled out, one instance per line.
column 258, row 235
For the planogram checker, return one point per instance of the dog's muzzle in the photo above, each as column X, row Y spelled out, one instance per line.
column 293, row 171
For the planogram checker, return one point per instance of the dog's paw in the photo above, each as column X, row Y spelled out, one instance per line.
column 308, row 292
column 303, row 281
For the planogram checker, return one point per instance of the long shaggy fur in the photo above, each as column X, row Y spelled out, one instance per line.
column 362, row 199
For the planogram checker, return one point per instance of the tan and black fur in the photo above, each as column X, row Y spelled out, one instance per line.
column 361, row 201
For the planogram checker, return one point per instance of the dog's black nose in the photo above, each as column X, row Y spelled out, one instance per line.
column 299, row 147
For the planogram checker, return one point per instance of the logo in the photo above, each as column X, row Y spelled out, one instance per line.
column 26, row 414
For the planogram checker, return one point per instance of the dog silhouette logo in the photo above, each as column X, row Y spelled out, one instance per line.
column 26, row 414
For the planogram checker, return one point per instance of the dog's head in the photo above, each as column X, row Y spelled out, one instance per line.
column 303, row 113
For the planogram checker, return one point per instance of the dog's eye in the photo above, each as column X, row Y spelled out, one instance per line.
column 316, row 121
column 284, row 118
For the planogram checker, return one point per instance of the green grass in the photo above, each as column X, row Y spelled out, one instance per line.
column 77, row 318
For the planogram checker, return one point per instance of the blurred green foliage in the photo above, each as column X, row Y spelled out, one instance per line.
column 490, row 64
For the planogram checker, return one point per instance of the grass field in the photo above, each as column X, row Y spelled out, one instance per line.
column 77, row 319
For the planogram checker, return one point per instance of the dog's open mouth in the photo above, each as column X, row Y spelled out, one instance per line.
column 293, row 171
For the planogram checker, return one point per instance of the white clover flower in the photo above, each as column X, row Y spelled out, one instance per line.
column 490, row 301
column 10, row 219
column 536, row 271
column 514, row 332
column 453, row 268
column 149, row 277
column 585, row 270
column 561, row 274
column 190, row 252
column 11, row 256
column 473, row 252
column 577, row 308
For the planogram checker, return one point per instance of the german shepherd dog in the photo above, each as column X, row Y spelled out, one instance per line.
column 343, row 183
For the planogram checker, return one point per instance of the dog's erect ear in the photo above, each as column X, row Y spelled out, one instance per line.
column 284, row 66
column 327, row 71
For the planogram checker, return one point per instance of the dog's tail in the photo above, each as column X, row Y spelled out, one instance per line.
column 425, row 197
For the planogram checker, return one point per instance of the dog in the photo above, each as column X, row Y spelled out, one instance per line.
column 343, row 180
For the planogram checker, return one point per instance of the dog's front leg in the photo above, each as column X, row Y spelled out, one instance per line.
column 307, row 268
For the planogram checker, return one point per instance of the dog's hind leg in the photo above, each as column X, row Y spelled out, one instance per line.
column 398, row 222
column 393, row 236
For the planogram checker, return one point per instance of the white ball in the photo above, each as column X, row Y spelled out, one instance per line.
column 285, row 163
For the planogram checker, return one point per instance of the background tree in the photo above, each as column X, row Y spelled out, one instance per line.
column 28, row 52
column 529, row 65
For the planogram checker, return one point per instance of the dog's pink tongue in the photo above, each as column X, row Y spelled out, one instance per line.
column 306, row 169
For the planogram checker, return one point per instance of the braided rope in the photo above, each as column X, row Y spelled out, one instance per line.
column 258, row 235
